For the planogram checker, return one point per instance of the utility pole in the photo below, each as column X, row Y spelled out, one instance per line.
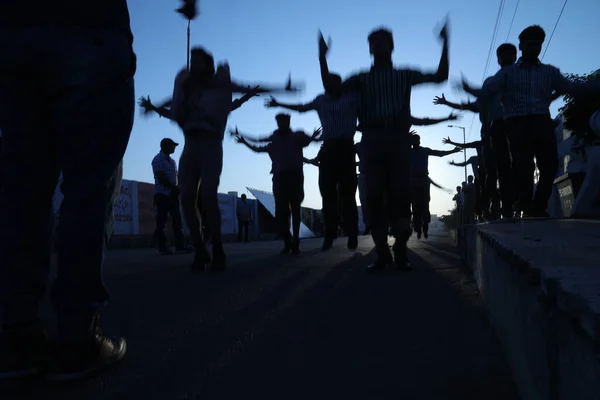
column 464, row 148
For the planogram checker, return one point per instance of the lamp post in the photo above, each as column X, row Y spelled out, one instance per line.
column 464, row 142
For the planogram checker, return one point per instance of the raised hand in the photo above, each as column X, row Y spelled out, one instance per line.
column 444, row 32
column 323, row 46
column 234, row 132
column 240, row 139
column 272, row 102
column 146, row 104
column 316, row 132
column 253, row 93
column 457, row 149
column 447, row 140
column 188, row 9
column 440, row 100
column 452, row 162
column 453, row 117
column 292, row 88
column 413, row 132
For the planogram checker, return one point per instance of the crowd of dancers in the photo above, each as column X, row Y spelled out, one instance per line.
column 74, row 115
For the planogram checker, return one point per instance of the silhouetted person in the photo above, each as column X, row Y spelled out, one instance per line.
column 244, row 216
column 166, row 196
column 458, row 197
column 285, row 150
column 384, row 116
column 420, row 190
column 67, row 104
column 527, row 89
column 337, row 110
column 201, row 104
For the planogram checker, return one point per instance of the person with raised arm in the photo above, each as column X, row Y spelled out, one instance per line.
column 337, row 109
column 494, row 156
column 528, row 87
column 420, row 189
column 384, row 114
column 201, row 104
column 286, row 152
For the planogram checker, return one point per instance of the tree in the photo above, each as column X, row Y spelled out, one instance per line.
column 578, row 109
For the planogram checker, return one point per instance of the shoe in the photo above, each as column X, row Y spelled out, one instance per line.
column 400, row 257
column 426, row 235
column 327, row 243
column 165, row 251
column 201, row 259
column 218, row 258
column 352, row 242
column 77, row 360
column 418, row 235
column 296, row 245
column 384, row 258
column 23, row 352
column 367, row 231
column 287, row 245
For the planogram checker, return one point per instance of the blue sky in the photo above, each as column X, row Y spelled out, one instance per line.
column 265, row 40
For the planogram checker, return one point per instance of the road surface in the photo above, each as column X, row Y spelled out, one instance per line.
column 314, row 325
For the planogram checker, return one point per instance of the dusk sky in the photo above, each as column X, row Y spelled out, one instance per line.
column 265, row 40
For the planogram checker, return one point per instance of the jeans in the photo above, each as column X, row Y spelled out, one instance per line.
column 166, row 205
column 420, row 197
column 288, row 190
column 386, row 167
column 529, row 137
column 338, row 184
column 66, row 104
column 200, row 169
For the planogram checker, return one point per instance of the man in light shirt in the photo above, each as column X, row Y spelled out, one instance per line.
column 166, row 196
column 201, row 104
column 528, row 87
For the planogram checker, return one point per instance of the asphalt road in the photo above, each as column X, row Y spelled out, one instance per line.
column 293, row 327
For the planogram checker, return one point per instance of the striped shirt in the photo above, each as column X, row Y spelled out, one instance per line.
column 384, row 94
column 164, row 163
column 527, row 88
column 338, row 115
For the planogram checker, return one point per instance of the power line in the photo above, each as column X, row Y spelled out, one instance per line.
column 494, row 35
column 512, row 20
column 490, row 52
column 554, row 30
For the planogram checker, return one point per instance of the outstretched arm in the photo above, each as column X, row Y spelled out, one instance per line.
column 260, row 139
column 442, row 153
column 474, row 107
column 470, row 145
column 443, row 70
column 148, row 107
column 253, row 147
column 302, row 108
column 237, row 103
column 431, row 121
column 239, row 88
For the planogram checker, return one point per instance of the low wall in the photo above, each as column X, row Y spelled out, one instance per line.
column 544, row 313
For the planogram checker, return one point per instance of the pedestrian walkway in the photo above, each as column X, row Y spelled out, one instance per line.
column 284, row 327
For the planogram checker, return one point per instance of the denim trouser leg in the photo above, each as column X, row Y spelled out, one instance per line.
column 61, row 113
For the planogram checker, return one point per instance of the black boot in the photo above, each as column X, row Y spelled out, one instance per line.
column 384, row 258
column 296, row 245
column 287, row 244
column 400, row 250
column 201, row 259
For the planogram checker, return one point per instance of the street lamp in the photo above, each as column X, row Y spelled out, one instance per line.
column 464, row 142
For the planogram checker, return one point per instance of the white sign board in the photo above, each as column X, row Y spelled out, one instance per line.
column 268, row 202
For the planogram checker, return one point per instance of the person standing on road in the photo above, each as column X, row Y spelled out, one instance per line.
column 244, row 216
column 67, row 87
column 166, row 196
